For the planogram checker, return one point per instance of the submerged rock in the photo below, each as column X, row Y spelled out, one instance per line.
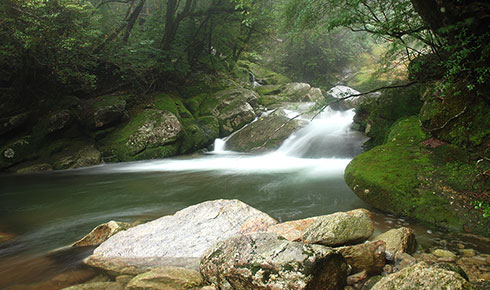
column 101, row 233
column 97, row 286
column 177, row 240
column 86, row 156
column 423, row 276
column 35, row 168
column 166, row 278
column 340, row 228
column 401, row 240
column 267, row 261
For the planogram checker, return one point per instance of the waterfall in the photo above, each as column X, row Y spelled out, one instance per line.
column 254, row 81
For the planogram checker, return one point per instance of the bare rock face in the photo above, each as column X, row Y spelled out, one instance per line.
column 101, row 233
column 166, row 278
column 401, row 240
column 341, row 228
column 423, row 276
column 369, row 257
column 260, row 261
column 177, row 240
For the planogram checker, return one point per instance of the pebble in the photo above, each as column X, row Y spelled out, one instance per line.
column 443, row 253
column 467, row 252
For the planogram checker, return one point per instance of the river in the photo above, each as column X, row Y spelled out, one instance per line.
column 303, row 178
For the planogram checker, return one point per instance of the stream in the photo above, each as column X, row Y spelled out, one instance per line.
column 303, row 178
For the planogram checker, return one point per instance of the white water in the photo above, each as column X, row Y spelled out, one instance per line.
column 322, row 148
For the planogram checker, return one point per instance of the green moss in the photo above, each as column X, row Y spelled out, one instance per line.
column 264, row 74
column 405, row 178
column 105, row 101
column 159, row 152
column 166, row 102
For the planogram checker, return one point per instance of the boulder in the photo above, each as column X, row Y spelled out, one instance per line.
column 441, row 253
column 340, row 228
column 159, row 128
column 177, row 240
column 19, row 150
column 234, row 109
column 35, row 168
column 166, row 278
column 369, row 257
column 86, row 156
column 341, row 92
column 267, row 133
column 58, row 121
column 296, row 92
column 316, row 95
column 267, row 261
column 404, row 260
column 423, row 276
column 101, row 233
column 9, row 124
column 401, row 240
column 292, row 230
column 104, row 111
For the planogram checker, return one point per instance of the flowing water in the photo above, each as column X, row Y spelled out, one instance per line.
column 303, row 178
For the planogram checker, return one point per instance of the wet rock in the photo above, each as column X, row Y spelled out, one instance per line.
column 5, row 237
column 423, row 276
column 35, row 168
column 453, row 268
column 369, row 257
column 267, row 133
column 316, row 95
column 481, row 285
column 166, row 278
column 97, row 286
column 401, row 240
column 235, row 110
column 443, row 253
column 292, row 230
column 19, row 150
column 267, row 261
column 12, row 123
column 371, row 282
column 475, row 267
column 101, row 233
column 86, row 156
column 124, row 279
column 177, row 240
column 340, row 228
column 60, row 281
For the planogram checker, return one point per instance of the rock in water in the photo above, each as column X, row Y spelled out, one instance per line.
column 401, row 240
column 292, row 230
column 340, row 228
column 177, row 240
column 101, row 233
column 267, row 261
column 423, row 276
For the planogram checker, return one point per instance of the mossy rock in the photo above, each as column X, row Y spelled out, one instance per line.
column 147, row 129
column 19, row 150
column 263, row 74
column 198, row 133
column 406, row 178
column 172, row 104
column 458, row 117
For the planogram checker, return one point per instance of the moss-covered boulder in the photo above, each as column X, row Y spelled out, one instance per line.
column 12, row 123
column 422, row 178
column 262, row 74
column 105, row 111
column 459, row 117
column 144, row 136
column 18, row 150
column 83, row 157
column 267, row 133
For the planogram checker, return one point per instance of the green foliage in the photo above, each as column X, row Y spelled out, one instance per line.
column 484, row 206
column 47, row 42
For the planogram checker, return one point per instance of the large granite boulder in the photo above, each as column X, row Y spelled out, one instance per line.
column 235, row 109
column 296, row 92
column 268, row 261
column 423, row 276
column 177, row 240
column 101, row 233
column 401, row 240
column 341, row 228
column 267, row 133
column 166, row 278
